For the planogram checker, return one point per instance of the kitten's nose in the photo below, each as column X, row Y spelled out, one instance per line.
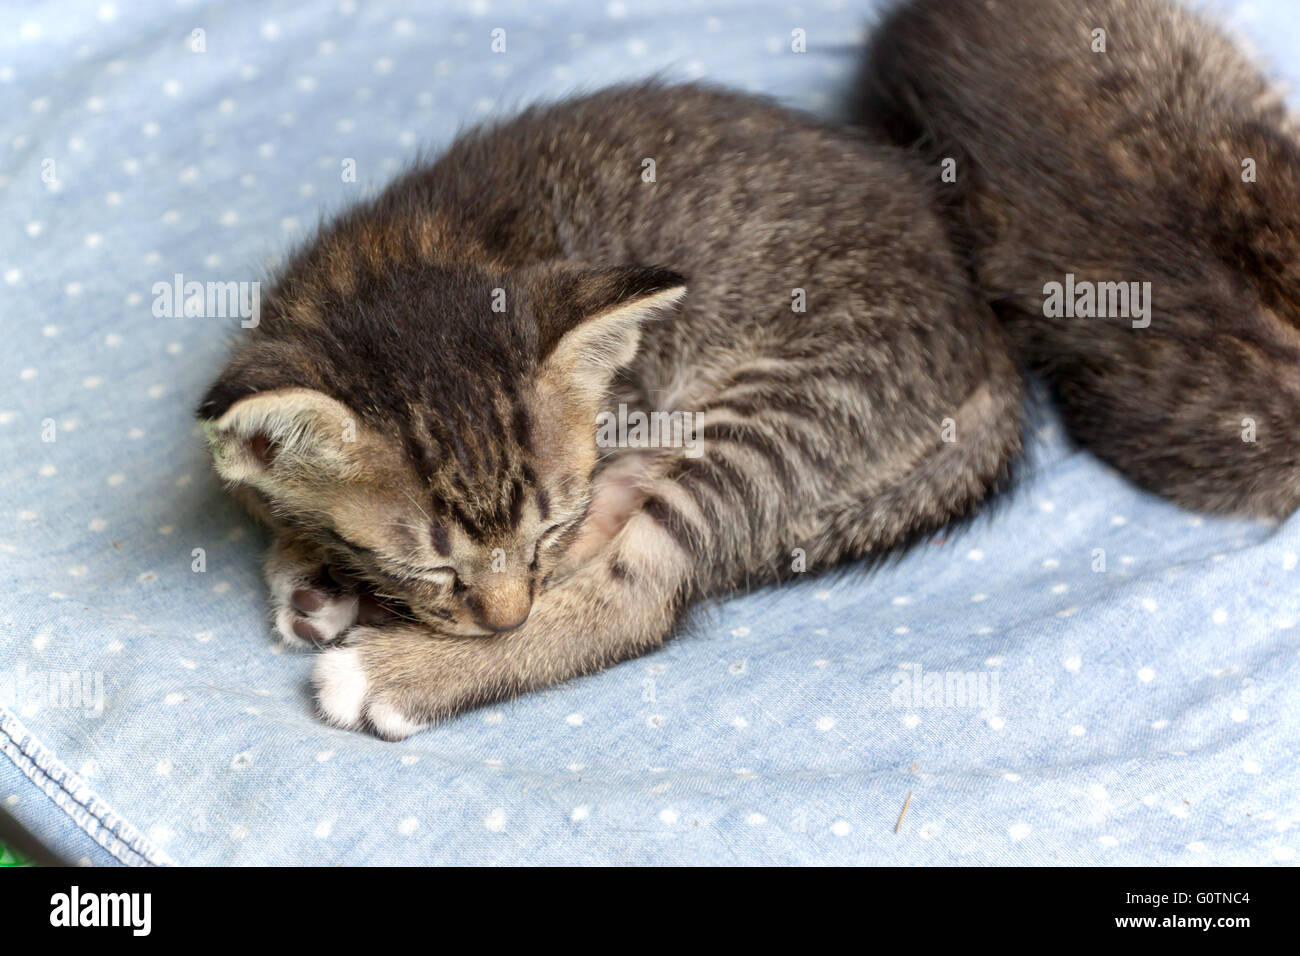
column 502, row 610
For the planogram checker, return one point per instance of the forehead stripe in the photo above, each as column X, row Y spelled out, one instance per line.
column 438, row 537
column 516, row 503
column 474, row 529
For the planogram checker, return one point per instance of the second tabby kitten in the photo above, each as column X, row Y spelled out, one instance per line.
column 416, row 414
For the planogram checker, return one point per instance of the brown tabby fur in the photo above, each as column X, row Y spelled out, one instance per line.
column 884, row 410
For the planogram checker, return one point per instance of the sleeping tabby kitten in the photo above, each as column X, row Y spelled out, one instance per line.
column 416, row 415
column 1120, row 141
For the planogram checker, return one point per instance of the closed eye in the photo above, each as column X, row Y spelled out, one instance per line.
column 443, row 574
column 441, row 569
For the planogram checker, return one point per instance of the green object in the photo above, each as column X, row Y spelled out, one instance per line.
column 10, row 857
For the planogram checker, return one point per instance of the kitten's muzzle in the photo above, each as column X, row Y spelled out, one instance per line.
column 502, row 609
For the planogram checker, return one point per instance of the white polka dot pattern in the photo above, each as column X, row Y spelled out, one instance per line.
column 1038, row 705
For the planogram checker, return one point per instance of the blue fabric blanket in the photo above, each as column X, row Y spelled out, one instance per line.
column 1087, row 675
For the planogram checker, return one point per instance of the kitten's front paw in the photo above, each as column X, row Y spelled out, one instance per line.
column 311, row 606
column 351, row 698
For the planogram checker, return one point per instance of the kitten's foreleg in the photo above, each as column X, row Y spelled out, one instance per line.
column 393, row 680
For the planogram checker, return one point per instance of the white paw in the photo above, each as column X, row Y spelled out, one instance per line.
column 341, row 687
column 390, row 723
column 345, row 697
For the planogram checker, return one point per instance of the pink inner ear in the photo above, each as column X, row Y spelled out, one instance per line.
column 262, row 448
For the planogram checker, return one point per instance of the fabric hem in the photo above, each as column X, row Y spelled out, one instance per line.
column 74, row 797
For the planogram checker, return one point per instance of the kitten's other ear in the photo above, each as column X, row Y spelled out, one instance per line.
column 278, row 435
column 589, row 320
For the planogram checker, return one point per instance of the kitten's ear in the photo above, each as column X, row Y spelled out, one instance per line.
column 589, row 320
column 280, row 434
